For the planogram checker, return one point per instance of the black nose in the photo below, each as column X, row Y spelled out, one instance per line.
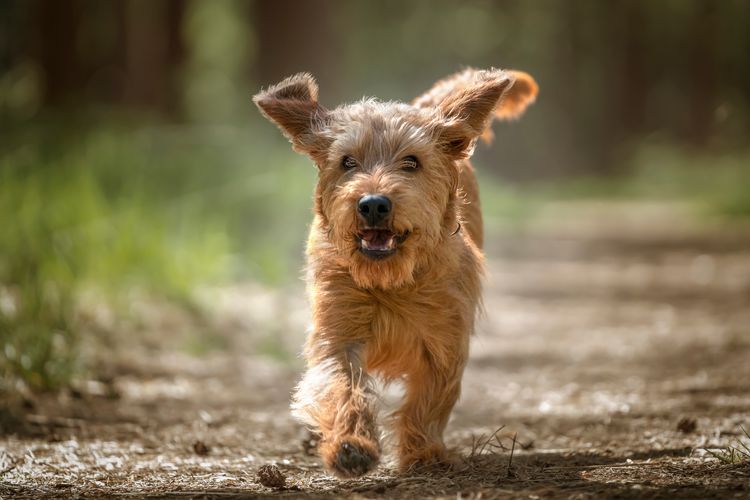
column 374, row 208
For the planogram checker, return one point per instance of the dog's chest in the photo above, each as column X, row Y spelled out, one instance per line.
column 405, row 312
column 406, row 327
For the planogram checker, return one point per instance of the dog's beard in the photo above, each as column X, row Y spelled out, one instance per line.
column 394, row 271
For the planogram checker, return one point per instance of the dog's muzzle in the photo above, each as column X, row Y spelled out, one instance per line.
column 376, row 240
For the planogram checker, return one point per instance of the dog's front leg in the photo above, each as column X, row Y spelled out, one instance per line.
column 431, row 392
column 335, row 397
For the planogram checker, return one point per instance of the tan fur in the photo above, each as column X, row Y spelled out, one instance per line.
column 409, row 316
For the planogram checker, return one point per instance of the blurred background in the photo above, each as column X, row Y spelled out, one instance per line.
column 144, row 199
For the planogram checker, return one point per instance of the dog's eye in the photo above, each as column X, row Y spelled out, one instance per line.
column 410, row 163
column 348, row 163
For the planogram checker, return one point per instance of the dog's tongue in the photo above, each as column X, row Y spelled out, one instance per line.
column 376, row 239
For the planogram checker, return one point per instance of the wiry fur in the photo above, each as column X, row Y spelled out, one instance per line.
column 409, row 316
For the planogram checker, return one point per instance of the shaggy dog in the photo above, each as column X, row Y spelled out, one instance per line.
column 394, row 256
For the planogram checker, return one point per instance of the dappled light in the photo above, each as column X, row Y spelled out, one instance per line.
column 153, row 228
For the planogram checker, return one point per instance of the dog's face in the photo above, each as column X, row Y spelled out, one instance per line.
column 386, row 189
column 388, row 175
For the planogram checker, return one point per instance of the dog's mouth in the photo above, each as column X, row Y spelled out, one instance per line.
column 380, row 243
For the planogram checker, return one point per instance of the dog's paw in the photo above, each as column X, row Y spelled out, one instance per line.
column 352, row 457
column 430, row 459
column 353, row 461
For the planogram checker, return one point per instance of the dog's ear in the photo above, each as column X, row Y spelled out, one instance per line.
column 293, row 106
column 468, row 108
column 465, row 96
column 518, row 97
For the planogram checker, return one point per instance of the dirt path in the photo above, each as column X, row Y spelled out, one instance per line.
column 615, row 358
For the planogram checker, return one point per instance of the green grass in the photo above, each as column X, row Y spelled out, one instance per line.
column 116, row 210
column 506, row 206
column 714, row 184
column 734, row 454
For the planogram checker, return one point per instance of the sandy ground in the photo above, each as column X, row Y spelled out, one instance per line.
column 614, row 352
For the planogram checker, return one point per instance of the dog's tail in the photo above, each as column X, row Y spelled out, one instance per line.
column 519, row 95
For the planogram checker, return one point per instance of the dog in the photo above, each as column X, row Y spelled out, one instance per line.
column 394, row 257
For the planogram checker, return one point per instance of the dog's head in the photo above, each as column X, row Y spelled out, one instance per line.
column 387, row 172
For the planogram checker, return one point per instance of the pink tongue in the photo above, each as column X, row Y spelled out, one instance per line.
column 377, row 239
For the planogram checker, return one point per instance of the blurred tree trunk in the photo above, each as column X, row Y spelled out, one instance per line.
column 57, row 25
column 568, row 88
column 702, row 72
column 617, row 105
column 633, row 80
column 154, row 52
column 145, row 58
column 296, row 36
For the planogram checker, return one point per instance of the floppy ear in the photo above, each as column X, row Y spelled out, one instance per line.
column 518, row 97
column 293, row 106
column 468, row 108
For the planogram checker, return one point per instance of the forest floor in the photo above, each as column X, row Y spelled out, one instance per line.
column 613, row 360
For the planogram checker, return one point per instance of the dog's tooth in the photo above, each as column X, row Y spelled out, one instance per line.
column 379, row 241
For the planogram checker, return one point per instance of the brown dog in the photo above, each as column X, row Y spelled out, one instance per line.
column 394, row 256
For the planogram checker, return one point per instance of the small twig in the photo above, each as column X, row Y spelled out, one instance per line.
column 474, row 446
column 493, row 435
column 512, row 449
column 500, row 443
column 741, row 443
column 55, row 421
column 604, row 466
column 9, row 468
